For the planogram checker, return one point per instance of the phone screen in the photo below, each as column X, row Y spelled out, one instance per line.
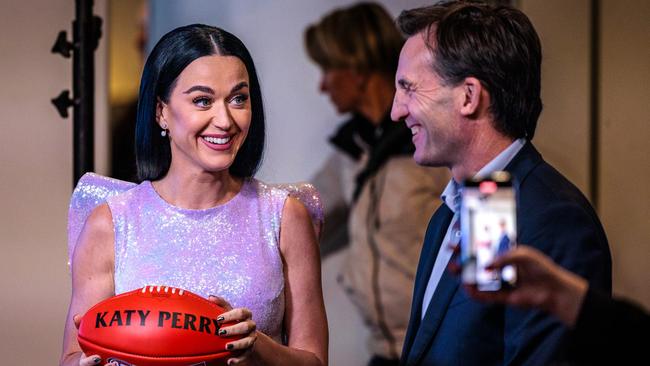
column 489, row 228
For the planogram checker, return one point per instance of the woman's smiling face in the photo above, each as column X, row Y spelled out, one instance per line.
column 208, row 114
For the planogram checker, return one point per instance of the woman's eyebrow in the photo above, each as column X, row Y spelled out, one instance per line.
column 201, row 88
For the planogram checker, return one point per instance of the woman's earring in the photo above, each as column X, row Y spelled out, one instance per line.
column 164, row 131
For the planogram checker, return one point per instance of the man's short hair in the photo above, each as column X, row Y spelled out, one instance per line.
column 495, row 44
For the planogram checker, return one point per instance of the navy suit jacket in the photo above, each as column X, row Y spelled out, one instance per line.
column 552, row 216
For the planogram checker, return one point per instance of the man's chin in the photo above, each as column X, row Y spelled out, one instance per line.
column 427, row 161
column 421, row 160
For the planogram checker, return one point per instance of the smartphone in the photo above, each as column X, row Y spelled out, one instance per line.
column 488, row 224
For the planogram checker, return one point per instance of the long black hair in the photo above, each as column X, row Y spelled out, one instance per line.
column 167, row 60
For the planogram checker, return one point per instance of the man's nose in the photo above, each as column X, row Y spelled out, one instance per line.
column 398, row 111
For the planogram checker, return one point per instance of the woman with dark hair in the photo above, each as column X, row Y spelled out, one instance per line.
column 199, row 220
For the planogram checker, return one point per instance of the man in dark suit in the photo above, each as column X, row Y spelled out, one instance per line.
column 504, row 242
column 468, row 87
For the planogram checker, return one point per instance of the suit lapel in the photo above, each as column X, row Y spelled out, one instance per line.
column 433, row 239
column 435, row 313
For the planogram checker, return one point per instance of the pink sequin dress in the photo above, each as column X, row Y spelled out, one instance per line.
column 231, row 250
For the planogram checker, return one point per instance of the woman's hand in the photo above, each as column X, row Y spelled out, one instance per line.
column 91, row 360
column 245, row 326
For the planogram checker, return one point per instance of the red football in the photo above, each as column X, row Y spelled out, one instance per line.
column 154, row 326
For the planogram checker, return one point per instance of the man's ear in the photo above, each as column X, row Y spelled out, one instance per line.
column 472, row 95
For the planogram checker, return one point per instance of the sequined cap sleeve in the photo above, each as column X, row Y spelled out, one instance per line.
column 91, row 191
column 309, row 196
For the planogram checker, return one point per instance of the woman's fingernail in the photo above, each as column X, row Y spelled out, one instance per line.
column 222, row 331
column 230, row 346
column 96, row 360
column 220, row 319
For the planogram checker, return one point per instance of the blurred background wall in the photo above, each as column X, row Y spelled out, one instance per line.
column 36, row 152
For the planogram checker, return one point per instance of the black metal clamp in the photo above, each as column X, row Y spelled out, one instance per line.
column 87, row 30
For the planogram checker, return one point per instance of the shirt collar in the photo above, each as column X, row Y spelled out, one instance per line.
column 451, row 195
column 502, row 160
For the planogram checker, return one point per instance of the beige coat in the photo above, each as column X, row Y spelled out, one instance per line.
column 386, row 228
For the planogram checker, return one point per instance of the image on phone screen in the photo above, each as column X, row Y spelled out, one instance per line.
column 489, row 229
